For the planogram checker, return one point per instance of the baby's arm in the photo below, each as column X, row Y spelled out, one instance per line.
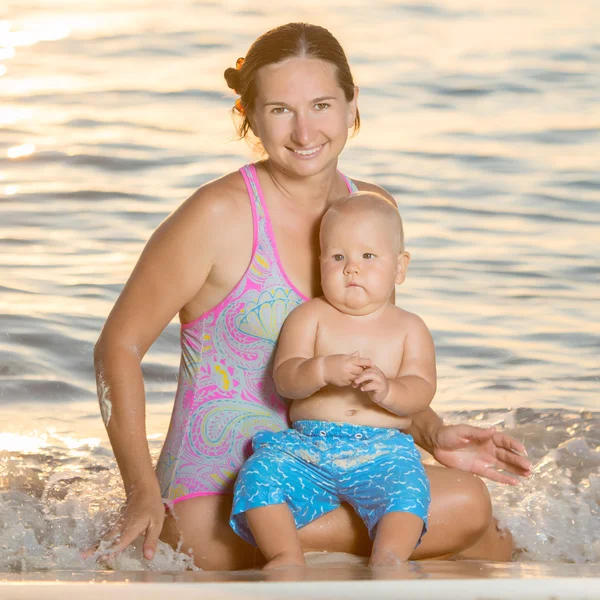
column 297, row 372
column 412, row 390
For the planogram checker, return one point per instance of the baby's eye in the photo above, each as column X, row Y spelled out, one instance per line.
column 338, row 257
column 368, row 255
column 279, row 110
column 322, row 105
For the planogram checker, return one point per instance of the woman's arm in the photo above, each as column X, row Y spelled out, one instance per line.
column 170, row 272
column 424, row 428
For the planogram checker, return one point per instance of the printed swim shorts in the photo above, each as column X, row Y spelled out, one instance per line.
column 317, row 465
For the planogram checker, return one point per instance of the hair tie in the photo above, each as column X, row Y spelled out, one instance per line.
column 239, row 62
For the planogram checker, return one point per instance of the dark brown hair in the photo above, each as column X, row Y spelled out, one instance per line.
column 283, row 42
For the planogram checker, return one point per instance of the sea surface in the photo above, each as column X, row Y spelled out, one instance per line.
column 482, row 118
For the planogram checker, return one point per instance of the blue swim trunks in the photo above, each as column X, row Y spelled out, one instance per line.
column 317, row 465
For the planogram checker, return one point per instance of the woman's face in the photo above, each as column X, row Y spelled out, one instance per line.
column 301, row 115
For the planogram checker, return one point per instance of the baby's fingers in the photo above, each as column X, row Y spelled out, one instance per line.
column 358, row 380
column 366, row 378
column 370, row 386
column 367, row 375
column 356, row 370
column 363, row 363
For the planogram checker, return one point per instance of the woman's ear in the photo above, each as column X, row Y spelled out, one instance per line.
column 252, row 125
column 402, row 267
column 353, row 108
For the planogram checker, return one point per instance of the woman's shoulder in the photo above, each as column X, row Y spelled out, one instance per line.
column 365, row 186
column 221, row 203
column 220, row 195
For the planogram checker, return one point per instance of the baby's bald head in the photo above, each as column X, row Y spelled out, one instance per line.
column 367, row 205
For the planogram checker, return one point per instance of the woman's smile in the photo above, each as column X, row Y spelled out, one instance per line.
column 304, row 154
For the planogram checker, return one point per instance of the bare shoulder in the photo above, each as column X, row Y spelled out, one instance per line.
column 365, row 186
column 408, row 321
column 210, row 217
column 311, row 310
column 220, row 197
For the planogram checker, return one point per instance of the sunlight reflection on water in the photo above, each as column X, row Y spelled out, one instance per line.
column 481, row 119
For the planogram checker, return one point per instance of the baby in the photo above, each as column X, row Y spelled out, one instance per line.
column 356, row 367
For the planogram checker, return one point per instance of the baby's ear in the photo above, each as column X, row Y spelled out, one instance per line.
column 402, row 267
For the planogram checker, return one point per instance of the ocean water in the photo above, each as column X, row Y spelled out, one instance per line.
column 482, row 118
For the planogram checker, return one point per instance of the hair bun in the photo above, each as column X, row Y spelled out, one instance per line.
column 232, row 77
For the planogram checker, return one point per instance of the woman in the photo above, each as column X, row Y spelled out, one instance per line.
column 225, row 261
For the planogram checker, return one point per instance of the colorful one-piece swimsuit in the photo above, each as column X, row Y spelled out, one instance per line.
column 226, row 392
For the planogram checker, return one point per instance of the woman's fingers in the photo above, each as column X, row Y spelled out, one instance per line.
column 85, row 554
column 515, row 463
column 151, row 541
column 510, row 443
column 119, row 538
column 121, row 542
column 511, row 455
column 491, row 473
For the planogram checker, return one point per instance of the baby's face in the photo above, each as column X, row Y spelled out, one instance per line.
column 359, row 262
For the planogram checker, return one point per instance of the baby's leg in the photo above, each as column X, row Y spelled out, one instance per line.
column 396, row 537
column 279, row 489
column 274, row 530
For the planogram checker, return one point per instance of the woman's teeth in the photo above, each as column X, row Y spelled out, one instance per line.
column 308, row 152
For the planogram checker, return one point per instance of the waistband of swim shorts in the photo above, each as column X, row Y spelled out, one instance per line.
column 344, row 430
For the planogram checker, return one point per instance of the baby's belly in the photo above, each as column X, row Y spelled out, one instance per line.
column 345, row 405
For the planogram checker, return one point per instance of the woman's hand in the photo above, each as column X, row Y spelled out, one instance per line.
column 484, row 452
column 142, row 514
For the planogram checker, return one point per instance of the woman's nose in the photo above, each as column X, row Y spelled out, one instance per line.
column 303, row 131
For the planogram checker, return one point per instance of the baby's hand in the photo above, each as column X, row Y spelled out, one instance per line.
column 341, row 369
column 375, row 383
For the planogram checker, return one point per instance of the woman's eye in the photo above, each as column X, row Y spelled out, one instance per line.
column 338, row 257
column 279, row 110
column 322, row 105
column 368, row 255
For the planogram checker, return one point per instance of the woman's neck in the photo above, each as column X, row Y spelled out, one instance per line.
column 313, row 193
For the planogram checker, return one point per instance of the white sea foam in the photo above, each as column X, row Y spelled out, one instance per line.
column 104, row 399
column 57, row 502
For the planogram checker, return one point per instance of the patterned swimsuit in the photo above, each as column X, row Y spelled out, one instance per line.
column 226, row 392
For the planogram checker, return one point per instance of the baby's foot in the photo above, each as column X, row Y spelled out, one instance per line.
column 386, row 558
column 285, row 560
